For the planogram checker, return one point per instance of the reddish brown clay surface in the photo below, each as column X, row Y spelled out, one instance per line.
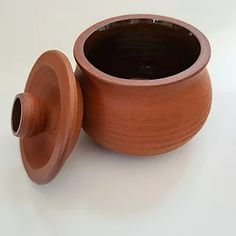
column 47, row 116
column 145, row 84
column 146, row 90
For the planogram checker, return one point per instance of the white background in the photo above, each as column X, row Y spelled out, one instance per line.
column 190, row 191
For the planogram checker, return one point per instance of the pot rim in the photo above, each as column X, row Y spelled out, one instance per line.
column 195, row 68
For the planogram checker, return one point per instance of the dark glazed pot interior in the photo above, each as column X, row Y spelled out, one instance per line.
column 142, row 49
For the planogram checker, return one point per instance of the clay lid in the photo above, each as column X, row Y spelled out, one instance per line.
column 47, row 116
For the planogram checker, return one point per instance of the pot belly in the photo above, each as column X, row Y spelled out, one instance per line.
column 145, row 120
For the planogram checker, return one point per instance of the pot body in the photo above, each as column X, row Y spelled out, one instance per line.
column 144, row 120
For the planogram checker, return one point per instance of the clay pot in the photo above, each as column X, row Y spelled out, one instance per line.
column 145, row 90
column 145, row 84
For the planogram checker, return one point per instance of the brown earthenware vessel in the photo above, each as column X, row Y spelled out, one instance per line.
column 145, row 84
column 145, row 91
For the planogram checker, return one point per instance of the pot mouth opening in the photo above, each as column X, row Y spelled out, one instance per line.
column 142, row 48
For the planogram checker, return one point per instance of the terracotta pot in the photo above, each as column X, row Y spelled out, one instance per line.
column 145, row 84
column 145, row 90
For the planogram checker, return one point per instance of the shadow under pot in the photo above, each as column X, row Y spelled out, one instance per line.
column 141, row 87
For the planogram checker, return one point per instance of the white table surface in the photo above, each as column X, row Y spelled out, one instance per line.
column 190, row 191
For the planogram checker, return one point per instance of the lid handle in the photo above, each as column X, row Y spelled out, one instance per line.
column 28, row 115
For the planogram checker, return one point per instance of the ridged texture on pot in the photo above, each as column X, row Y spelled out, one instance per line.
column 145, row 120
